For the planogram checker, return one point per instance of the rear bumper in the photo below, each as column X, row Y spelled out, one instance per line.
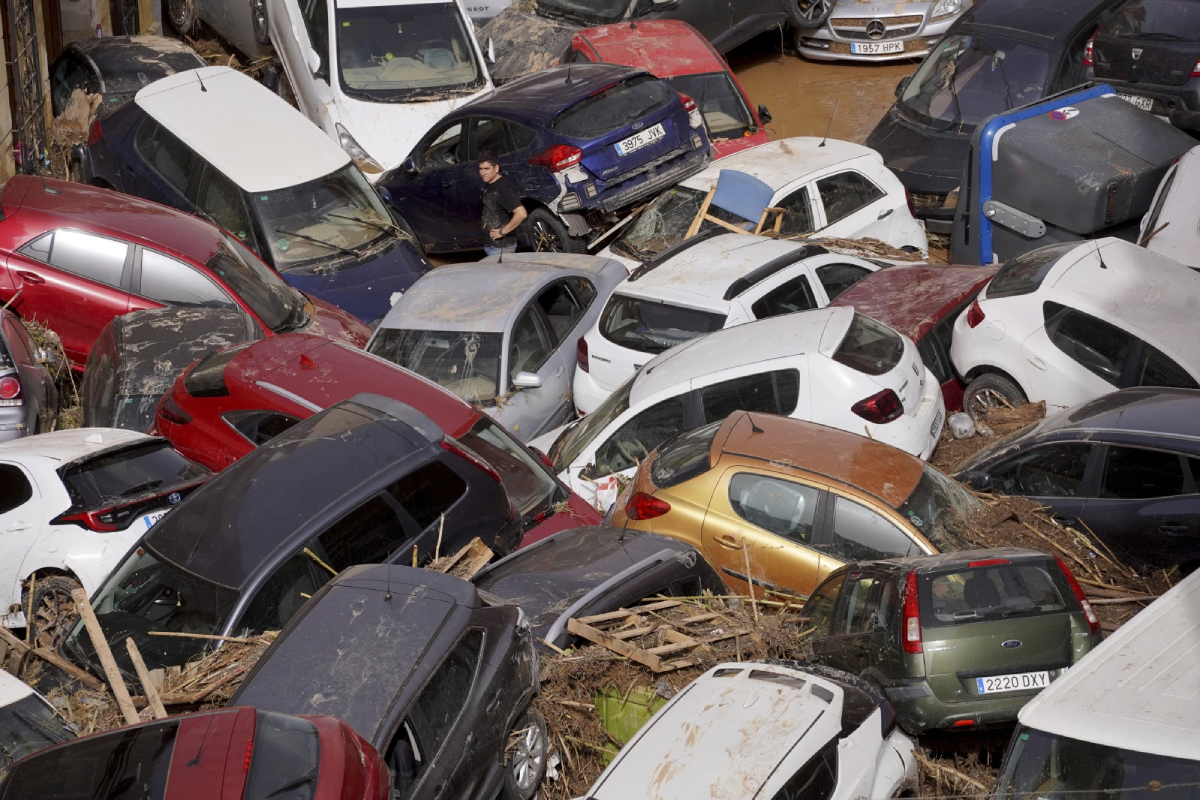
column 655, row 177
column 13, row 423
column 919, row 433
column 918, row 710
column 588, row 394
column 1179, row 104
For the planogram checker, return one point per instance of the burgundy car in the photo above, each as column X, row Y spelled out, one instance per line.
column 229, row 754
column 227, row 404
column 922, row 301
column 78, row 256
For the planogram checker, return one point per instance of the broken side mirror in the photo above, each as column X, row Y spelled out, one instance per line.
column 764, row 116
column 491, row 51
column 526, row 380
column 979, row 481
column 902, row 84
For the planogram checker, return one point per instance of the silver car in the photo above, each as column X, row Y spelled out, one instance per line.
column 879, row 31
column 28, row 397
column 502, row 335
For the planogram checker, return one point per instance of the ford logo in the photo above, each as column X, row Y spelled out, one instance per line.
column 637, row 126
column 1011, row 644
column 173, row 498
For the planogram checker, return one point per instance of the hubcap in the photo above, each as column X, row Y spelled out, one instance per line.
column 527, row 755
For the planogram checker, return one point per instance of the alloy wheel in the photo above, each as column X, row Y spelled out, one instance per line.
column 527, row 755
column 813, row 10
column 545, row 238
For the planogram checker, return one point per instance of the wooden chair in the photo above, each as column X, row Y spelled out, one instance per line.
column 740, row 194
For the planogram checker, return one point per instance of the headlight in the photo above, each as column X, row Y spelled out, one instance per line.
column 948, row 8
column 357, row 154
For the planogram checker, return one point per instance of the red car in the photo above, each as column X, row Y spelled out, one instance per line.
column 228, row 754
column 677, row 53
column 922, row 302
column 225, row 405
column 78, row 255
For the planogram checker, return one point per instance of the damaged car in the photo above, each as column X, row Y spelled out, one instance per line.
column 436, row 675
column 1171, row 227
column 27, row 721
column 577, row 142
column 28, row 394
column 872, row 32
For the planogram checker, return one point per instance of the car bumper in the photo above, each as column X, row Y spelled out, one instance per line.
column 588, row 394
column 917, row 434
column 13, row 423
column 1179, row 104
column 655, row 178
column 828, row 44
column 918, row 709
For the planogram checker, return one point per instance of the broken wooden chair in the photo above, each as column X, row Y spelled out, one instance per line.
column 742, row 195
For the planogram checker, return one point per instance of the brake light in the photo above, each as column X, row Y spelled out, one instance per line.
column 694, row 118
column 94, row 133
column 249, row 753
column 987, row 562
column 10, row 391
column 169, row 410
column 879, row 408
column 1089, row 51
column 1196, row 70
column 557, row 158
column 100, row 521
column 912, row 206
column 451, row 446
column 643, row 506
column 975, row 315
column 912, row 615
column 688, row 103
column 963, row 723
column 1088, row 611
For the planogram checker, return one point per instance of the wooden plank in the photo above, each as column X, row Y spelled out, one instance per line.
column 616, row 645
column 115, row 681
column 625, row 612
column 698, row 618
column 139, row 666
column 12, row 641
column 86, row 678
column 633, row 633
column 694, row 228
column 667, row 649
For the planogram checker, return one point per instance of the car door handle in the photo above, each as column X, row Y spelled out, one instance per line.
column 887, row 212
column 30, row 277
column 1037, row 362
column 558, row 373
column 728, row 541
column 18, row 526
column 1174, row 528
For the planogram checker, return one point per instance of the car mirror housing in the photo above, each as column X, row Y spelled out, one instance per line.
column 526, row 380
column 410, row 165
column 979, row 481
column 764, row 115
column 901, row 84
column 664, row 5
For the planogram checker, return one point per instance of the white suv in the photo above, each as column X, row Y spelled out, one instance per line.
column 1069, row 322
column 712, row 281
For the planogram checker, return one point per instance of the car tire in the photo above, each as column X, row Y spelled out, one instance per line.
column 525, row 759
column 258, row 16
column 991, row 390
column 182, row 16
column 809, row 14
column 53, row 610
column 401, row 223
column 547, row 234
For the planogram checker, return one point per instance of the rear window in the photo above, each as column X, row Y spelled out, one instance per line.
column 684, row 457
column 870, row 347
column 117, row 476
column 1029, row 588
column 286, row 759
column 1163, row 20
column 649, row 326
column 1025, row 273
column 613, row 108
column 207, row 379
column 529, row 486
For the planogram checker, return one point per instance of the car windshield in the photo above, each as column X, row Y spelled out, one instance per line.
column 326, row 218
column 286, row 759
column 151, row 467
column 279, row 306
column 612, row 108
column 1162, row 20
column 400, row 53
column 652, row 326
column 939, row 508
column 27, row 726
column 725, row 113
column 994, row 592
column 464, row 362
column 665, row 221
column 969, row 77
column 589, row 12
column 1051, row 767
column 573, row 441
column 529, row 486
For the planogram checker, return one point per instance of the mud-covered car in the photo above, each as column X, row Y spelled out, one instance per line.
column 28, row 396
column 858, row 31
column 27, row 721
column 437, row 676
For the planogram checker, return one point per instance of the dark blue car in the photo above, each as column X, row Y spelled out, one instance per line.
column 287, row 191
column 579, row 141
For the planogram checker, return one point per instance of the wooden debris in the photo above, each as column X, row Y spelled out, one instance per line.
column 115, row 681
column 139, row 666
column 466, row 562
column 678, row 636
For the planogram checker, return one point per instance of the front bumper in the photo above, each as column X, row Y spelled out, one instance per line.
column 836, row 40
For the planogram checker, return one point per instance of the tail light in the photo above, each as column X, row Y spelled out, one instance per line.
column 1196, row 70
column 169, row 410
column 1089, row 51
column 545, row 458
column 103, row 521
column 975, row 315
column 94, row 133
column 451, row 446
column 581, row 354
column 643, row 506
column 1089, row 612
column 987, row 562
column 912, row 207
column 689, row 105
column 10, row 391
column 557, row 158
column 879, row 408
column 912, row 615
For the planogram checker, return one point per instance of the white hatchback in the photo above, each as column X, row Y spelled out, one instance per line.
column 829, row 365
column 712, row 281
column 1070, row 322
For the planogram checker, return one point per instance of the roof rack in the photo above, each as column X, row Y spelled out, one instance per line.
column 760, row 274
column 674, row 250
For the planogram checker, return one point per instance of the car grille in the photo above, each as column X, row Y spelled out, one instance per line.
column 894, row 27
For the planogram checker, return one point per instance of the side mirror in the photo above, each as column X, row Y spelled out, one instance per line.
column 410, row 165
column 764, row 115
column 491, row 51
column 314, row 62
column 45, row 356
column 903, row 83
column 979, row 481
column 527, row 380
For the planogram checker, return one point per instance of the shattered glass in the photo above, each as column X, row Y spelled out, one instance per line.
column 466, row 363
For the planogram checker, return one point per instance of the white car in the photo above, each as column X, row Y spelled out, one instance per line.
column 829, row 365
column 1171, row 227
column 714, row 280
column 840, row 190
column 73, row 502
column 482, row 11
column 765, row 730
column 1069, row 322
column 375, row 75
column 27, row 721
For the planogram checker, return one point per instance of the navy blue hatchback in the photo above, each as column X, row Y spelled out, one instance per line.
column 579, row 142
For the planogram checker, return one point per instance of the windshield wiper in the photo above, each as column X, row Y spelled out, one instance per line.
column 386, row 227
column 314, row 239
column 141, row 487
column 287, row 787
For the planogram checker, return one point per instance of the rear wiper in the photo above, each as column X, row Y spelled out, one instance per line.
column 141, row 487
column 315, row 240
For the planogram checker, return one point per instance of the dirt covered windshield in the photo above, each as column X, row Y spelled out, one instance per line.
column 940, row 509
column 588, row 12
column 464, row 362
column 665, row 221
column 402, row 53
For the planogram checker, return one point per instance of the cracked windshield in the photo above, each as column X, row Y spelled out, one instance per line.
column 466, row 363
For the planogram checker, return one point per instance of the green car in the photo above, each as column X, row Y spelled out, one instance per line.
column 958, row 640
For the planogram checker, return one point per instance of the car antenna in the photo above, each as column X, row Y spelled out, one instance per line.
column 568, row 74
column 753, row 428
column 387, row 596
column 46, row 188
column 196, row 758
column 200, row 80
column 830, row 123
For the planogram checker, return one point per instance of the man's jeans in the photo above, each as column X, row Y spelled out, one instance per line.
column 492, row 250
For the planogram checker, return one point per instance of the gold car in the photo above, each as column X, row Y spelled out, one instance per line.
column 784, row 502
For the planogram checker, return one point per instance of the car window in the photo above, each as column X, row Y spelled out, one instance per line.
column 369, row 534
column 652, row 326
column 888, row 603
column 1000, row 591
column 223, row 201
column 316, row 21
column 844, row 193
column 521, row 136
column 837, row 278
column 816, row 780
column 748, row 393
column 68, row 75
column 1098, row 347
column 584, row 291
column 612, row 108
column 1156, row 369
column 1052, row 471
column 489, row 134
column 856, row 609
column 1131, row 473
column 562, row 308
column 282, row 595
column 787, row 298
column 784, row 508
column 93, row 257
column 443, row 150
column 797, row 218
column 861, row 534
column 173, row 160
column 634, row 440
column 427, row 493
column 15, row 489
column 819, row 608
column 531, row 343
column 19, row 341
column 260, row 427
column 177, row 284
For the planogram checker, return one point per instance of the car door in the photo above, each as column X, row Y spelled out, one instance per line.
column 619, row 449
column 74, row 282
column 508, row 141
column 791, row 291
column 224, row 203
column 854, row 531
column 848, row 645
column 853, row 207
column 426, row 196
column 1056, row 475
column 169, row 170
column 1074, row 357
column 532, row 350
column 20, row 526
column 164, row 281
column 836, row 275
column 299, row 29
column 800, row 211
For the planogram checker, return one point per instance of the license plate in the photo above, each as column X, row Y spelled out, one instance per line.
column 876, row 48
column 1020, row 682
column 936, row 428
column 640, row 140
column 154, row 517
column 1144, row 103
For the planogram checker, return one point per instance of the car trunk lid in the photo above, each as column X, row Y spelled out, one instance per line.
column 1145, row 60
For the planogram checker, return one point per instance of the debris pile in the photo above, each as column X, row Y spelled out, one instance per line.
column 70, row 415
column 997, row 423
column 69, row 129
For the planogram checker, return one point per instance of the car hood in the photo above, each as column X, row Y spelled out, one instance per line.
column 925, row 161
column 367, row 289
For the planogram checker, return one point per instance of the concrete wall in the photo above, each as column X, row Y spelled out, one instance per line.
column 80, row 17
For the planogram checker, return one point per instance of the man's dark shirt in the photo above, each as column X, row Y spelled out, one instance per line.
column 500, row 200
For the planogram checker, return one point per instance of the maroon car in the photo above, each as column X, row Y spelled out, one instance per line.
column 922, row 301
column 78, row 256
column 229, row 754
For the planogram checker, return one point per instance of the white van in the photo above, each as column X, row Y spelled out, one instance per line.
column 1124, row 722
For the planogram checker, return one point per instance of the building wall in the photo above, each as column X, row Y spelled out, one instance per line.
column 7, row 168
column 80, row 17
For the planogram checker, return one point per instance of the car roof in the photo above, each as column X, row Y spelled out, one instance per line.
column 288, row 149
column 666, row 47
column 1137, row 689
column 352, row 649
column 911, row 299
column 956, row 559
column 12, row 689
column 761, row 341
column 735, row 726
column 879, row 469
column 1154, row 410
column 115, row 54
column 1046, row 20
column 540, row 96
column 69, row 445
column 782, row 161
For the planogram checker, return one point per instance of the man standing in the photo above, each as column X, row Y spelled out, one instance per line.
column 502, row 209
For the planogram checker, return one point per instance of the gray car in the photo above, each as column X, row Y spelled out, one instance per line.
column 28, row 397
column 502, row 334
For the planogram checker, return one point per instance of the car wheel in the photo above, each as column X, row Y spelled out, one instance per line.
column 284, row 89
column 547, row 234
column 991, row 391
column 258, row 15
column 401, row 223
column 182, row 15
column 809, row 13
column 525, row 756
column 53, row 610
